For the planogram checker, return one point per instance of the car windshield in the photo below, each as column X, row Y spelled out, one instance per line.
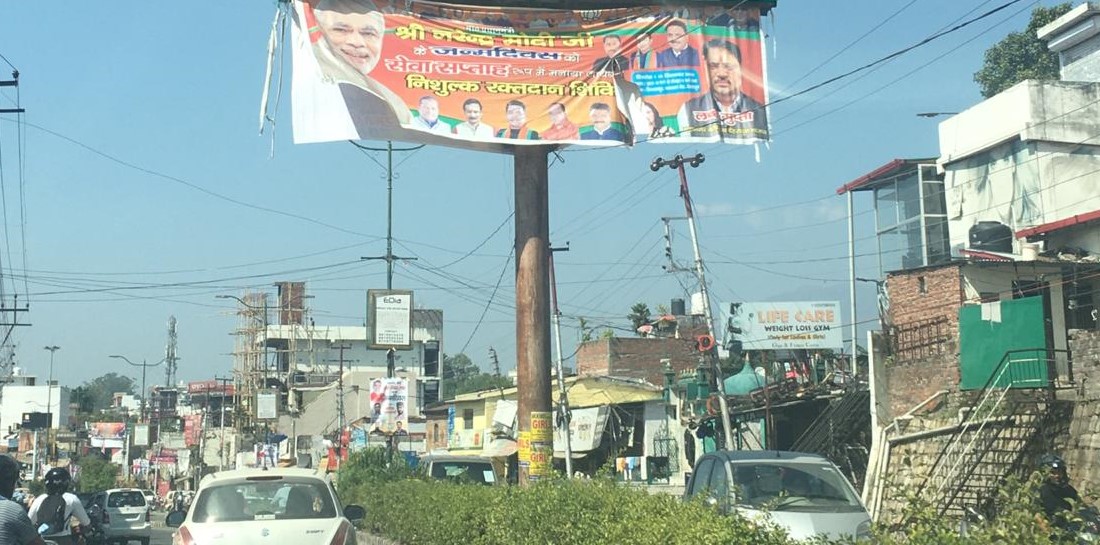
column 126, row 498
column 477, row 472
column 284, row 499
column 792, row 487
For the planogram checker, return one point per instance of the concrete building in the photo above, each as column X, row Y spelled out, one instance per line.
column 25, row 395
column 988, row 357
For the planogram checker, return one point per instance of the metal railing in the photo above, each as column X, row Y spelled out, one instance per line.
column 1018, row 369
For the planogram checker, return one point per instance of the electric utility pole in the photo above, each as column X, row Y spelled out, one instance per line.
column 677, row 163
column 389, row 257
column 564, row 416
column 340, row 388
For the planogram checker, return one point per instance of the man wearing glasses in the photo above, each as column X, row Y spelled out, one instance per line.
column 724, row 105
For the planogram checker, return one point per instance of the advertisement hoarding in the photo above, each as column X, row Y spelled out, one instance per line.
column 389, row 399
column 106, row 434
column 812, row 325
column 192, row 429
column 389, row 313
column 481, row 77
column 267, row 405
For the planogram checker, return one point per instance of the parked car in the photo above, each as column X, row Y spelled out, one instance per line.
column 803, row 493
column 125, row 515
column 271, row 507
column 448, row 467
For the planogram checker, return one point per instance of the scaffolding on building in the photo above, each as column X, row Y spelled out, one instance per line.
column 250, row 365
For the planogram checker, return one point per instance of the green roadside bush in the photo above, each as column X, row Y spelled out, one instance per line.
column 414, row 511
column 410, row 510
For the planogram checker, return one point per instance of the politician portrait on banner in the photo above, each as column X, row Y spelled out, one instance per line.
column 471, row 76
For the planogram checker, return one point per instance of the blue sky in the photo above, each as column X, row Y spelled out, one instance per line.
column 141, row 132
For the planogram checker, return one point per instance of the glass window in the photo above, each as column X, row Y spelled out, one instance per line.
column 468, row 419
column 719, row 487
column 790, row 486
column 900, row 247
column 908, row 198
column 280, row 499
column 939, row 247
column 886, row 204
column 935, row 200
column 701, row 479
column 128, row 498
column 473, row 472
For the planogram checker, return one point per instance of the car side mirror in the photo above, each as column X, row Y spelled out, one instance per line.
column 354, row 512
column 175, row 518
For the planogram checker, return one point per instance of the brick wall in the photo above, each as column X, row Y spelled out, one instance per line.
column 635, row 357
column 924, row 313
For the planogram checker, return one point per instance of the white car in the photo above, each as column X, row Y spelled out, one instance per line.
column 270, row 507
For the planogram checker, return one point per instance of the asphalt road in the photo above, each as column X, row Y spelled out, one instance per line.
column 161, row 536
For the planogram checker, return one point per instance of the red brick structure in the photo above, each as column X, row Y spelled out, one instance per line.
column 636, row 357
column 924, row 320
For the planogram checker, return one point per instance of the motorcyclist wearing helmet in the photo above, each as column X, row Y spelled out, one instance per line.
column 52, row 511
column 1056, row 495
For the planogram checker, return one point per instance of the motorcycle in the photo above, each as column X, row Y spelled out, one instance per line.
column 1081, row 527
column 94, row 534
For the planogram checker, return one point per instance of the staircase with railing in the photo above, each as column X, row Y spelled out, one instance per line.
column 991, row 441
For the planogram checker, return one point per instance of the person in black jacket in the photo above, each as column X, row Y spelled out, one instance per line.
column 1056, row 496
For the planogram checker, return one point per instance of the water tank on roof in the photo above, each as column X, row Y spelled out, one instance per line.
column 697, row 304
column 678, row 307
column 991, row 236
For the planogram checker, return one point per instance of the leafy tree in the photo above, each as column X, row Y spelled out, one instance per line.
column 1020, row 55
column 483, row 381
column 99, row 393
column 639, row 316
column 461, row 376
column 457, row 370
column 586, row 330
column 96, row 474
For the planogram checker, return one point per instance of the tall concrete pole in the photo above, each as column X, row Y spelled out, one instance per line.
column 852, row 282
column 532, row 224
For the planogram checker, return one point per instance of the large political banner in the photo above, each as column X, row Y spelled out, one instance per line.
column 475, row 77
column 812, row 325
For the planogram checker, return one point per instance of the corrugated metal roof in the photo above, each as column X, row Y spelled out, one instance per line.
column 587, row 391
column 887, row 172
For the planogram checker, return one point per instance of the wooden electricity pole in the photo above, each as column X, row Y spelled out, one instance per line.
column 532, row 305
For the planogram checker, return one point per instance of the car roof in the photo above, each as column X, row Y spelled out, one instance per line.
column 272, row 473
column 112, row 490
column 769, row 456
column 454, row 458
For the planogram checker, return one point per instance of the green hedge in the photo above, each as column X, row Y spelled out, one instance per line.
column 416, row 512
column 413, row 511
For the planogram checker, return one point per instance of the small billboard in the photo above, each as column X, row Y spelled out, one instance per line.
column 813, row 325
column 389, row 315
column 267, row 405
column 36, row 421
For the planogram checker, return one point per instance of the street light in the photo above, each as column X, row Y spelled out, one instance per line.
column 49, row 384
column 143, row 366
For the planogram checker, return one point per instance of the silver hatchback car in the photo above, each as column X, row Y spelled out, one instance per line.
column 804, row 494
